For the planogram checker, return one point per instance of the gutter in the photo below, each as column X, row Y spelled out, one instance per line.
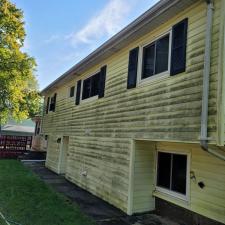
column 205, row 92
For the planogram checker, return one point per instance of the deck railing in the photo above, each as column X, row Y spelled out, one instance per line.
column 13, row 146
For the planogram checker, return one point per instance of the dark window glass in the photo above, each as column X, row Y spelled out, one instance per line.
column 162, row 53
column 148, row 61
column 179, row 173
column 164, row 165
column 91, row 86
column 52, row 104
column 155, row 57
column 72, row 91
column 172, row 171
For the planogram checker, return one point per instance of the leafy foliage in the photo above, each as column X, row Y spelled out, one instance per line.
column 19, row 98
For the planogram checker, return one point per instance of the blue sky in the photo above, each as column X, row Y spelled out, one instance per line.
column 61, row 33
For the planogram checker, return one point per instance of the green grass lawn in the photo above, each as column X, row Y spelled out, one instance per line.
column 2, row 222
column 25, row 199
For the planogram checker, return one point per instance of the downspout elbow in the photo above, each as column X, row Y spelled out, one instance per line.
column 219, row 153
column 204, row 145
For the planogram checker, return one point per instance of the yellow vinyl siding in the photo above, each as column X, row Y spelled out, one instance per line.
column 106, row 165
column 208, row 201
column 53, row 149
column 144, row 177
column 167, row 109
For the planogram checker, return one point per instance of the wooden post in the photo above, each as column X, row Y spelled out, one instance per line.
column 26, row 144
column 5, row 139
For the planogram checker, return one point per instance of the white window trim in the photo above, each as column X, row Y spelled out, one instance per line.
column 158, row 76
column 93, row 98
column 170, row 193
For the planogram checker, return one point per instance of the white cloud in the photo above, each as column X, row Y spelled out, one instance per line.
column 52, row 38
column 106, row 23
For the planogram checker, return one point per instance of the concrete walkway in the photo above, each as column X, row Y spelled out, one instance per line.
column 102, row 212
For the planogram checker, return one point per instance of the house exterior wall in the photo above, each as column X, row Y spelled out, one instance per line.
column 101, row 131
column 207, row 201
column 143, row 177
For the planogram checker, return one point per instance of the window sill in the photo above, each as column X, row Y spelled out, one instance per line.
column 154, row 79
column 50, row 112
column 167, row 194
column 91, row 99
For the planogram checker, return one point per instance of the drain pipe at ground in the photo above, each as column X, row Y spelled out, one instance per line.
column 205, row 91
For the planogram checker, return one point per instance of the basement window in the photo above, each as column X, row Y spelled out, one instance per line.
column 91, row 86
column 172, row 174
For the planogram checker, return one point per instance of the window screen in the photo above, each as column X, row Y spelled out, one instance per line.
column 155, row 57
column 162, row 53
column 171, row 172
column 164, row 162
column 148, row 61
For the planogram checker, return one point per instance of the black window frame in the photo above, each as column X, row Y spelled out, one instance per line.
column 154, row 43
column 91, row 92
column 169, row 191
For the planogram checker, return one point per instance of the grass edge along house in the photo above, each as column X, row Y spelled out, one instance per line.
column 140, row 121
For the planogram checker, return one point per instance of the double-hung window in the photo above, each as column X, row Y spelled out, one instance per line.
column 164, row 56
column 91, row 86
column 172, row 173
column 155, row 58
column 51, row 104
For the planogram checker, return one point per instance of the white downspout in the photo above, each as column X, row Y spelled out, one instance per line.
column 205, row 91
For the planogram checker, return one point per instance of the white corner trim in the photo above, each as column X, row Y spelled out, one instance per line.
column 131, row 179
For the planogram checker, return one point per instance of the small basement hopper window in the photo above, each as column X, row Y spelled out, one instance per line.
column 172, row 173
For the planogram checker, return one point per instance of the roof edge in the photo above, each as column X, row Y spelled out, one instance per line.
column 154, row 11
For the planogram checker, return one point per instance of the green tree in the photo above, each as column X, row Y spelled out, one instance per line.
column 19, row 98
